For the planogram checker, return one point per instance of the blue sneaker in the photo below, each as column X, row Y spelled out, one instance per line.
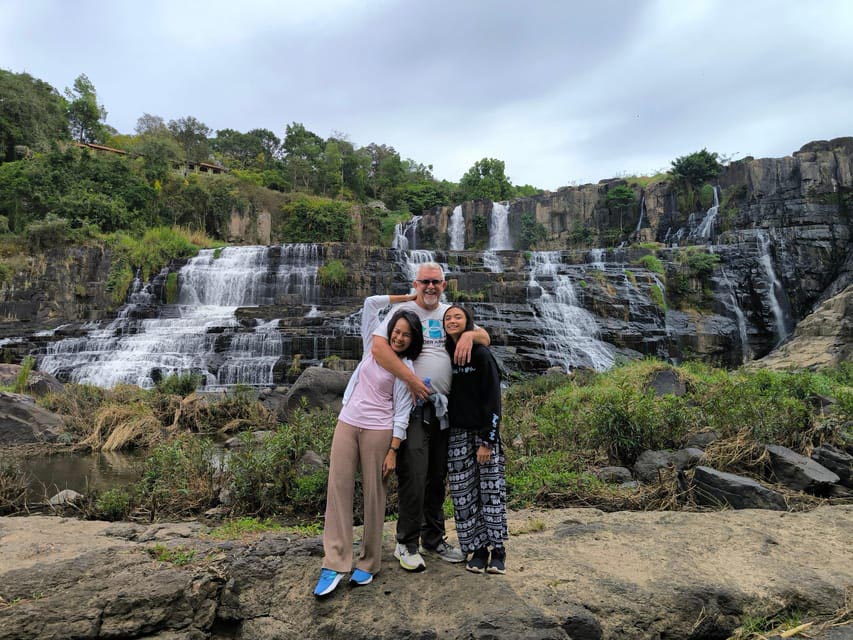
column 360, row 578
column 328, row 581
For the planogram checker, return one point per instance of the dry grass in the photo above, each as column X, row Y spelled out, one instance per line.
column 13, row 488
column 123, row 426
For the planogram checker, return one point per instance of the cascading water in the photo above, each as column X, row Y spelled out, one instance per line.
column 596, row 258
column 200, row 333
column 706, row 227
column 456, row 229
column 568, row 330
column 499, row 239
column 774, row 287
column 642, row 214
column 739, row 316
column 403, row 232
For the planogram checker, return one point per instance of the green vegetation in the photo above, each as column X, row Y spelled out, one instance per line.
column 312, row 219
column 656, row 294
column 23, row 378
column 178, row 556
column 114, row 504
column 242, row 527
column 688, row 278
column 333, row 274
column 696, row 168
column 172, row 288
column 532, row 232
column 180, row 384
column 652, row 263
column 559, row 427
column 620, row 199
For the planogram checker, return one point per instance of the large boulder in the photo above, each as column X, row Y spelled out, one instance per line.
column 798, row 472
column 716, row 488
column 319, row 387
column 22, row 421
column 837, row 461
column 649, row 463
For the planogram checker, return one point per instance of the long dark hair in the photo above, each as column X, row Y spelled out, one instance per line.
column 414, row 348
column 449, row 344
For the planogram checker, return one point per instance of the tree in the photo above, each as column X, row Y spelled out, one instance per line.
column 620, row 199
column 332, row 170
column 302, row 149
column 32, row 114
column 486, row 180
column 192, row 135
column 697, row 168
column 151, row 125
column 84, row 112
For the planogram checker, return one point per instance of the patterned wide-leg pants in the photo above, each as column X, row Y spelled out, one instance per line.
column 478, row 492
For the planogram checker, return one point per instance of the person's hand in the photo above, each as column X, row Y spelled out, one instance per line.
column 390, row 462
column 464, row 345
column 418, row 389
column 484, row 454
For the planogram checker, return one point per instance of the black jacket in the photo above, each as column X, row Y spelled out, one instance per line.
column 475, row 395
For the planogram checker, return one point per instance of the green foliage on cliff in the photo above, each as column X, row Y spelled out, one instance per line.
column 333, row 274
column 652, row 263
column 531, row 231
column 697, row 168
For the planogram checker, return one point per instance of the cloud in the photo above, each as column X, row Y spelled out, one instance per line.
column 562, row 92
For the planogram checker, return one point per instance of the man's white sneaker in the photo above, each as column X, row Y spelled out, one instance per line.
column 446, row 551
column 409, row 559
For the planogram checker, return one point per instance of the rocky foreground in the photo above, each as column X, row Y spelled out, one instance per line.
column 572, row 573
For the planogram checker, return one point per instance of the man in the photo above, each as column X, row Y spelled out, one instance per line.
column 422, row 457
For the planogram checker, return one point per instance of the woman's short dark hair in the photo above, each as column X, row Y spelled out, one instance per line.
column 414, row 348
column 449, row 345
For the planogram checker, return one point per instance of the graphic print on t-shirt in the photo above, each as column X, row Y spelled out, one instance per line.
column 433, row 330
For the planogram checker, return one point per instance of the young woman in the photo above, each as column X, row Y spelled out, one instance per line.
column 476, row 462
column 371, row 426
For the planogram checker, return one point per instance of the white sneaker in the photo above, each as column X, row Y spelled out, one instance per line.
column 446, row 551
column 410, row 560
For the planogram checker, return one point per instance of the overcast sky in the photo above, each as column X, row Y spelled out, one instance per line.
column 564, row 92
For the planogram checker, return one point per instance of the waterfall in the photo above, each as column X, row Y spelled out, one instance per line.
column 456, row 229
column 201, row 332
column 642, row 213
column 492, row 262
column 746, row 352
column 773, row 287
column 403, row 231
column 707, row 225
column 596, row 258
column 499, row 227
column 568, row 330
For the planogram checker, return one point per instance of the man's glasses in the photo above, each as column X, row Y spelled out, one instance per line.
column 428, row 282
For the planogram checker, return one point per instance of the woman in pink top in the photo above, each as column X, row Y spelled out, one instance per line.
column 371, row 426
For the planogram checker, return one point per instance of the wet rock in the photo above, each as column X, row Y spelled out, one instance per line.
column 798, row 472
column 716, row 488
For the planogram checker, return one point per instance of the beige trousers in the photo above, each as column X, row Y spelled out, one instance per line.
column 353, row 447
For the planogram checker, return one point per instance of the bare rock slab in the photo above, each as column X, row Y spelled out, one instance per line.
column 837, row 461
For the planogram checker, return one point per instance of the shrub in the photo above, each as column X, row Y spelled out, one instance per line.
column 180, row 384
column 172, row 288
column 23, row 377
column 333, row 275
column 652, row 263
column 532, row 232
column 114, row 504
